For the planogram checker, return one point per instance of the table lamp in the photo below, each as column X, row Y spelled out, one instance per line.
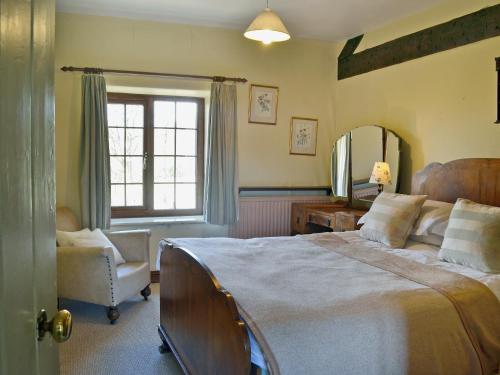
column 381, row 175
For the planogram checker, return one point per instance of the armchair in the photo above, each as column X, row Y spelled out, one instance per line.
column 90, row 274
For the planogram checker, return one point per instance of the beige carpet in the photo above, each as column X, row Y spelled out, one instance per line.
column 128, row 347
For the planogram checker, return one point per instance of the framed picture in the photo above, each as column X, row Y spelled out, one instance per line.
column 303, row 134
column 263, row 107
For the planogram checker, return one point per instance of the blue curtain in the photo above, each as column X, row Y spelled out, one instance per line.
column 221, row 184
column 95, row 171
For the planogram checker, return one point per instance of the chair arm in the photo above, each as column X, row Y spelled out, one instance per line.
column 132, row 244
column 87, row 274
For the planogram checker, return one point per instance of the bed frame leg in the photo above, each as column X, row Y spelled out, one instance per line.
column 164, row 347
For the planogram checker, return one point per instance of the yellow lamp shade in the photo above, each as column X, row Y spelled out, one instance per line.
column 381, row 174
column 267, row 27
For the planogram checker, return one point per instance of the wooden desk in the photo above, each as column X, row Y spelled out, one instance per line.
column 315, row 218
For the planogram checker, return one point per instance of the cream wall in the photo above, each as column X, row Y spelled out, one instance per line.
column 442, row 105
column 302, row 69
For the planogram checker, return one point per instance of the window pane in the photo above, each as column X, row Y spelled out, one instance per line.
column 164, row 114
column 134, row 195
column 164, row 169
column 164, row 197
column 116, row 114
column 164, row 141
column 185, row 196
column 135, row 141
column 135, row 115
column 186, row 142
column 134, row 169
column 117, row 195
column 116, row 141
column 117, row 164
column 186, row 115
column 185, row 170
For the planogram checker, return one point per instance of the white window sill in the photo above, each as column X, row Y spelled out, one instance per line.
column 143, row 221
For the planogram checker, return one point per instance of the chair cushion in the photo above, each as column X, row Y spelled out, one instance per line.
column 132, row 278
column 66, row 220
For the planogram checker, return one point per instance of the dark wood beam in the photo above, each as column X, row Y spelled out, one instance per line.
column 470, row 28
column 350, row 47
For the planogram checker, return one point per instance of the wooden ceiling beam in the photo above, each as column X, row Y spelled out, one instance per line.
column 470, row 28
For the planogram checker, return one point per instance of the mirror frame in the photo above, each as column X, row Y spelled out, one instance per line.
column 360, row 202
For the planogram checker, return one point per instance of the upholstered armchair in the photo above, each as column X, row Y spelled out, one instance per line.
column 90, row 274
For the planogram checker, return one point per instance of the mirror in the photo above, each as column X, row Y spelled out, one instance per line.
column 353, row 158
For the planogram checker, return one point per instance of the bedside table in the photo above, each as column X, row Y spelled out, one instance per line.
column 314, row 218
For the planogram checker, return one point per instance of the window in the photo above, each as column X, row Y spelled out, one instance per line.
column 156, row 155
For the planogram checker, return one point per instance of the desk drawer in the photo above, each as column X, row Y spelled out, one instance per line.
column 323, row 220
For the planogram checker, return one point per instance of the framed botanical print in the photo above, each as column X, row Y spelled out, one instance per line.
column 303, row 134
column 263, row 107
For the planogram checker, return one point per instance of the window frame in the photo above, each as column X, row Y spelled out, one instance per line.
column 147, row 210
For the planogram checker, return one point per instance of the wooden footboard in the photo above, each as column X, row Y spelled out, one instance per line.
column 199, row 320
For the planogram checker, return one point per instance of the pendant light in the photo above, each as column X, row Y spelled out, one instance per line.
column 267, row 27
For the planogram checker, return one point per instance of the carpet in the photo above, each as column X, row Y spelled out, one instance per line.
column 128, row 347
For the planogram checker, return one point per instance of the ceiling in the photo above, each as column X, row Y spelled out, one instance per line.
column 329, row 20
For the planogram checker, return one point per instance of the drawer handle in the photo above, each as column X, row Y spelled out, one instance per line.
column 298, row 220
column 329, row 222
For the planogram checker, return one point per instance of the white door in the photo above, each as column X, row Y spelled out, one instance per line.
column 27, row 192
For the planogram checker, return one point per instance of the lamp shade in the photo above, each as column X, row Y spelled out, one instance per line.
column 381, row 174
column 267, row 27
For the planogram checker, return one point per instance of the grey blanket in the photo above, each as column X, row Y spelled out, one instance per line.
column 318, row 305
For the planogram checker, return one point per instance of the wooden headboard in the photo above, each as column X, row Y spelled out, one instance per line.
column 474, row 179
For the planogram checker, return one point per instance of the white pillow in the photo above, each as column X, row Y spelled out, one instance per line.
column 473, row 236
column 67, row 238
column 433, row 218
column 391, row 218
column 87, row 238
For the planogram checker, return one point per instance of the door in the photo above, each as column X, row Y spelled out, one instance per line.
column 27, row 192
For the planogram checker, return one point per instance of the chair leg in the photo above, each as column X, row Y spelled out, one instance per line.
column 146, row 292
column 113, row 314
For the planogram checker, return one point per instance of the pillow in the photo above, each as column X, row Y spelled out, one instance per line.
column 473, row 236
column 433, row 218
column 67, row 238
column 391, row 218
column 87, row 238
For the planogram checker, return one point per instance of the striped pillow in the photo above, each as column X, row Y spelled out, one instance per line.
column 391, row 218
column 472, row 237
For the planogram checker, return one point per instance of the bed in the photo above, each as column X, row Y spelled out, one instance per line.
column 334, row 303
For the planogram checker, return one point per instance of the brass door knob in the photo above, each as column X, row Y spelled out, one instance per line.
column 59, row 327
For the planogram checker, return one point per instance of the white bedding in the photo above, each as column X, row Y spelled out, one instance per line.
column 419, row 252
column 428, row 254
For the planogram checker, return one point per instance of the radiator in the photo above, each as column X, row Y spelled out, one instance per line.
column 268, row 216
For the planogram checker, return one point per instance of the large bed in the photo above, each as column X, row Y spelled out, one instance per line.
column 334, row 303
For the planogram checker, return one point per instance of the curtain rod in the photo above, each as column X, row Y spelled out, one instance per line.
column 134, row 72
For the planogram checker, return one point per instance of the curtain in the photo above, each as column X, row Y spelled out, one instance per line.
column 95, row 171
column 221, row 183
